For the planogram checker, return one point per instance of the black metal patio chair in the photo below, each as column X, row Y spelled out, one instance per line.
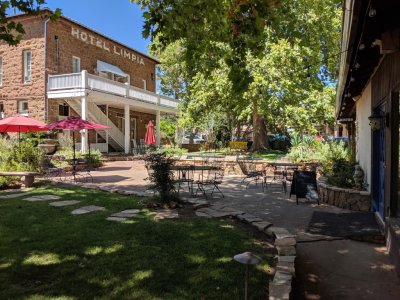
column 249, row 170
column 211, row 177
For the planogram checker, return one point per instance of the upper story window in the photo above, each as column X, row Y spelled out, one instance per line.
column 76, row 64
column 27, row 66
column 23, row 107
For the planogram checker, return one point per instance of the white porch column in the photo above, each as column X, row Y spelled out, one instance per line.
column 158, row 134
column 127, row 129
column 84, row 115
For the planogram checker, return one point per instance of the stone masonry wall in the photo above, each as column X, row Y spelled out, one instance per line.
column 13, row 88
column 76, row 40
column 59, row 60
column 344, row 198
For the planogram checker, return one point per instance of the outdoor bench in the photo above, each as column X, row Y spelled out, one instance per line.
column 27, row 178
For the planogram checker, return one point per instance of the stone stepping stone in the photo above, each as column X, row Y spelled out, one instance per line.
column 13, row 195
column 42, row 198
column 262, row 225
column 213, row 213
column 166, row 214
column 249, row 218
column 64, row 203
column 116, row 219
column 203, row 215
column 128, row 213
column 86, row 209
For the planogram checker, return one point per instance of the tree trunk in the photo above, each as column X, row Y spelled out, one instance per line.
column 259, row 131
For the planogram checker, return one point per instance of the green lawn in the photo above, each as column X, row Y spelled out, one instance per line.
column 47, row 253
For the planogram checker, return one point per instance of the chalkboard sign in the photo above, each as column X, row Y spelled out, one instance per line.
column 300, row 181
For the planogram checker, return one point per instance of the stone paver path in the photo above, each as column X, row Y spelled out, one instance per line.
column 42, row 198
column 165, row 214
column 116, row 219
column 123, row 215
column 64, row 203
column 86, row 209
column 12, row 195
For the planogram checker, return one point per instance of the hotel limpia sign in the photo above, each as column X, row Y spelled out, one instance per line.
column 95, row 41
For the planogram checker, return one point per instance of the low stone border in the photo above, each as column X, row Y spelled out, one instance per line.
column 344, row 198
column 285, row 243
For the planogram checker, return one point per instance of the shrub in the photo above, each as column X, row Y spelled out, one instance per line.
column 342, row 174
column 333, row 158
column 22, row 156
column 329, row 153
column 160, row 174
column 95, row 157
column 303, row 148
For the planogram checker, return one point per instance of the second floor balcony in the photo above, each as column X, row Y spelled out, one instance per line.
column 77, row 84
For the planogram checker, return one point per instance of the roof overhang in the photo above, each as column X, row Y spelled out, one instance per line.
column 370, row 29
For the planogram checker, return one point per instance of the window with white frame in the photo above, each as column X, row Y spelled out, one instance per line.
column 27, row 66
column 1, row 71
column 76, row 64
column 23, row 107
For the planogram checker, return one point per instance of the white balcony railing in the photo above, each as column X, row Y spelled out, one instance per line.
column 83, row 80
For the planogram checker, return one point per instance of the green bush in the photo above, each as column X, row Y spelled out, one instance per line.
column 333, row 158
column 95, row 157
column 329, row 153
column 303, row 148
column 19, row 156
column 174, row 150
column 342, row 174
column 34, row 137
column 160, row 174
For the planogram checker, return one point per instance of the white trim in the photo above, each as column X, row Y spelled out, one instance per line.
column 23, row 111
column 78, row 60
column 27, row 62
column 144, row 84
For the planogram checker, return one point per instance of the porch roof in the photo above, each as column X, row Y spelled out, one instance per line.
column 367, row 32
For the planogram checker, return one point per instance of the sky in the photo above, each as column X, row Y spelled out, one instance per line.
column 118, row 19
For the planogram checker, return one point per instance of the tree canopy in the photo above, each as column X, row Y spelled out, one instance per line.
column 12, row 32
column 237, row 61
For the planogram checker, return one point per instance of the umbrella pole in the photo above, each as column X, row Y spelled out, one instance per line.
column 74, row 159
column 19, row 139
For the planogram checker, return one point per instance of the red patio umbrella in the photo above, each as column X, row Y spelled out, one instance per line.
column 20, row 123
column 150, row 138
column 74, row 123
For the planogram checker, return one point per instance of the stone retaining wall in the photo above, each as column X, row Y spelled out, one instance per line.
column 344, row 198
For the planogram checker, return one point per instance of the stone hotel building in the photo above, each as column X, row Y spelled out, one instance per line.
column 64, row 68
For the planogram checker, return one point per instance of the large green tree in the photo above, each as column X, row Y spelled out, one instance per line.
column 256, row 60
column 11, row 31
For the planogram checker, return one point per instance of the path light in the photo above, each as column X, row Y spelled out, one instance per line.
column 247, row 258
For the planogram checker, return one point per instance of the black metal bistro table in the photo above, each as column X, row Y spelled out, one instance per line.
column 186, row 174
column 282, row 171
